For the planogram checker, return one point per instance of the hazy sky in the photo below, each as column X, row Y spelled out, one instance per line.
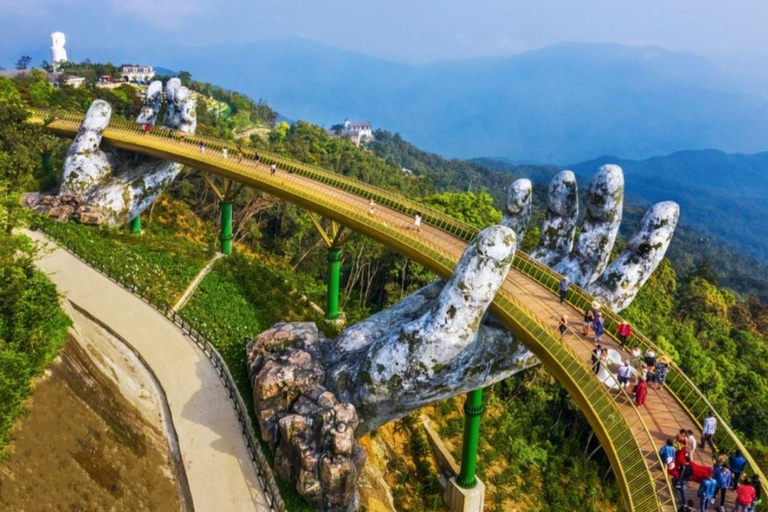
column 401, row 30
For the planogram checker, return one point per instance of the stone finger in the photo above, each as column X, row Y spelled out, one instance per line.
column 605, row 201
column 400, row 363
column 150, row 108
column 559, row 227
column 517, row 214
column 181, row 109
column 623, row 279
column 85, row 164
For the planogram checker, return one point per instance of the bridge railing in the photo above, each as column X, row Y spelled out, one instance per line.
column 678, row 383
column 381, row 196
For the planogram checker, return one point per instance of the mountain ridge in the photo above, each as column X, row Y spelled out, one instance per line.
column 562, row 103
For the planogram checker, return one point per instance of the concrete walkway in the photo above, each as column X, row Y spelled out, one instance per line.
column 218, row 466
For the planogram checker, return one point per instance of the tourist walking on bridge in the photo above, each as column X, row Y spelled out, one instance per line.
column 596, row 358
column 224, row 153
column 667, row 455
column 745, row 496
column 722, row 476
column 202, row 146
column 563, row 326
column 371, row 206
column 692, row 444
column 598, row 326
column 641, row 392
column 737, row 463
column 706, row 493
column 623, row 375
column 708, row 431
column 564, row 285
column 624, row 331
column 684, row 476
column 417, row 221
column 272, row 169
column 588, row 319
column 661, row 370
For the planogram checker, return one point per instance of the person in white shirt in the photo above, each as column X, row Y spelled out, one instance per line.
column 691, row 446
column 710, row 425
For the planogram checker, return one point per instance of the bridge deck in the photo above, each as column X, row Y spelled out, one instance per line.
column 524, row 304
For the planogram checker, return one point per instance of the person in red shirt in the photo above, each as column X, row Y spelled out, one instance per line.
column 745, row 496
column 641, row 392
column 624, row 331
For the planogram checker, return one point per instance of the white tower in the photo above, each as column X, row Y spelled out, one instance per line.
column 58, row 52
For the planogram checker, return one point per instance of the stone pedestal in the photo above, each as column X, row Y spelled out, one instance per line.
column 464, row 500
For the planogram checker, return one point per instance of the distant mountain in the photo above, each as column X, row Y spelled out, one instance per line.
column 559, row 104
column 720, row 194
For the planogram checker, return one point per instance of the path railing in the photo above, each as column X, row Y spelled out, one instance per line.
column 259, row 461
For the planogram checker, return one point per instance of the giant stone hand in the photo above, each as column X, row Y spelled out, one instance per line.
column 586, row 262
column 313, row 395
column 124, row 185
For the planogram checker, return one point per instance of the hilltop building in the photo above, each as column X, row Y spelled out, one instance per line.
column 58, row 52
column 137, row 73
column 358, row 132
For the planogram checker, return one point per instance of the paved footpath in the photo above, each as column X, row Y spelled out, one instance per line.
column 219, row 469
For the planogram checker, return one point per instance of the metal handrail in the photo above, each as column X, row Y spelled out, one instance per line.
column 396, row 239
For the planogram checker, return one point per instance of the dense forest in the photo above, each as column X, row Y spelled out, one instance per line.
column 716, row 335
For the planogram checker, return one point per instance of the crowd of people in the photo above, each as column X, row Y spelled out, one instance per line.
column 715, row 481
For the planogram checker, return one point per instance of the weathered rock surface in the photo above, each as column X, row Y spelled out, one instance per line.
column 517, row 215
column 120, row 185
column 624, row 277
column 559, row 227
column 64, row 207
column 313, row 434
column 585, row 262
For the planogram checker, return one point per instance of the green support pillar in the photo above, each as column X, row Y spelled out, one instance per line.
column 226, row 227
column 135, row 225
column 334, row 275
column 473, row 408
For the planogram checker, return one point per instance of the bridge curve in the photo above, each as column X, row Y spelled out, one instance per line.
column 526, row 303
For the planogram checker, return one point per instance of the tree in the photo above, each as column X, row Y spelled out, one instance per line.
column 20, row 151
column 185, row 77
column 23, row 62
column 46, row 65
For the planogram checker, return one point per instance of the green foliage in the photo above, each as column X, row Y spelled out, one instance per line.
column 474, row 209
column 37, row 92
column 33, row 328
column 160, row 264
column 21, row 149
column 534, row 448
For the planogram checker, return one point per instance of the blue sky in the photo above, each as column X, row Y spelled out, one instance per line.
column 399, row 30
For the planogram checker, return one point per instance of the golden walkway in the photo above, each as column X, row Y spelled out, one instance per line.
column 526, row 304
